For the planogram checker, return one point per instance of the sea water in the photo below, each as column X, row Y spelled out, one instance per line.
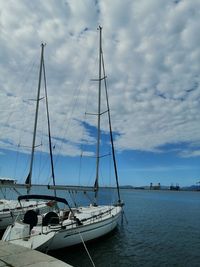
column 163, row 229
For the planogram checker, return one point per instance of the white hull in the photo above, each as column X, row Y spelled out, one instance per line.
column 71, row 237
column 56, row 237
column 11, row 209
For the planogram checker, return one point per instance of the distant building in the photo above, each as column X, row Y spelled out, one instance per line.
column 155, row 187
column 174, row 188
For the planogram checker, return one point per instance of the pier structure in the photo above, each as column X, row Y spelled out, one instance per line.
column 18, row 256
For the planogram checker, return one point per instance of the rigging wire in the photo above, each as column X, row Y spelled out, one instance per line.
column 81, row 155
column 111, row 134
column 70, row 116
column 4, row 194
column 49, row 128
column 86, row 194
column 18, row 193
column 110, row 175
column 39, row 152
column 80, row 168
column 25, row 78
column 82, row 135
column 16, row 161
column 71, row 194
column 74, row 103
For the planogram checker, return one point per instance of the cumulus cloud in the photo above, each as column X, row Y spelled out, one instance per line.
column 151, row 50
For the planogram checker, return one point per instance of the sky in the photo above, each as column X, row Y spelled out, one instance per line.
column 152, row 59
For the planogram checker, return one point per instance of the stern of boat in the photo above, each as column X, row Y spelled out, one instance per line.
column 16, row 231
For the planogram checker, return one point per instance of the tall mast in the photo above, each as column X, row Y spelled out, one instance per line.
column 96, row 186
column 49, row 128
column 28, row 179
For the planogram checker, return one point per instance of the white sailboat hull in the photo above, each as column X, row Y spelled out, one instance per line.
column 66, row 238
column 57, row 237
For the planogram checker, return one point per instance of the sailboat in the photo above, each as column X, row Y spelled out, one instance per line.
column 71, row 226
column 11, row 209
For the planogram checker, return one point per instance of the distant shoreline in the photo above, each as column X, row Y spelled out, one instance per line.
column 90, row 188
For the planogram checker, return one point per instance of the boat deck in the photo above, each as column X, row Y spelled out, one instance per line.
column 18, row 256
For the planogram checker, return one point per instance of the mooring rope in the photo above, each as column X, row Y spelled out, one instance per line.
column 124, row 215
column 87, row 250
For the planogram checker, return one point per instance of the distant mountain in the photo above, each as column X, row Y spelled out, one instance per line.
column 126, row 187
column 192, row 188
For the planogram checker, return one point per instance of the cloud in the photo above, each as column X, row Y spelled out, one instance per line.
column 189, row 154
column 151, row 51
